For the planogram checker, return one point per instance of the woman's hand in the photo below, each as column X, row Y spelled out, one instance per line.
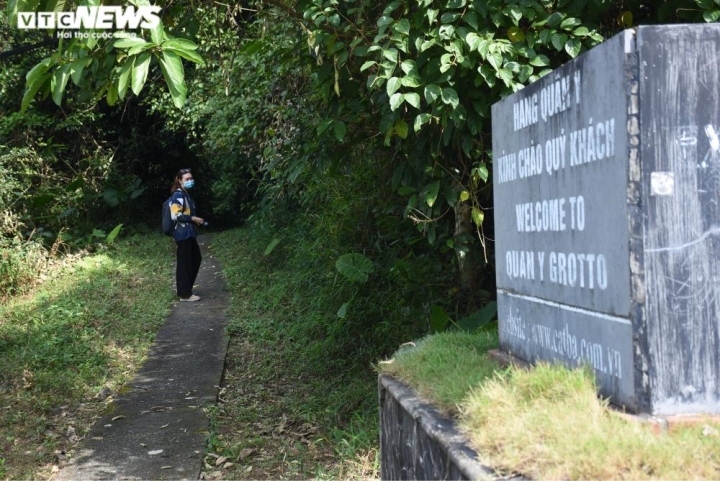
column 198, row 220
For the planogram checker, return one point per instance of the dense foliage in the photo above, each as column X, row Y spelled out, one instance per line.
column 372, row 116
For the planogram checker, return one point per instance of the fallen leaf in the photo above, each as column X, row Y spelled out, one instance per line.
column 227, row 465
column 117, row 417
column 248, row 469
column 245, row 453
column 153, row 453
column 220, row 460
column 166, row 467
column 163, row 427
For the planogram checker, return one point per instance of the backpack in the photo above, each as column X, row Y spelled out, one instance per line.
column 168, row 225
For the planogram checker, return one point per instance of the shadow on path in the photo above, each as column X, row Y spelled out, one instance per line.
column 156, row 427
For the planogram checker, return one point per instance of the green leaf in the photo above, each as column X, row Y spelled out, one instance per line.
column 540, row 61
column 354, row 267
column 32, row 88
column 488, row 74
column 421, row 120
column 58, row 83
column 572, row 47
column 711, row 16
column 481, row 171
column 413, row 99
column 403, row 26
column 124, row 79
column 431, row 193
column 157, row 34
column 495, row 59
column 401, row 129
column 112, row 95
column 558, row 41
column 570, row 23
column 129, row 42
column 581, row 31
column 342, row 312
column 340, row 130
column 384, row 21
column 140, row 48
column 477, row 216
column 76, row 69
column 367, row 65
column 471, row 19
column 323, row 126
column 393, row 84
column 555, row 19
column 408, row 66
column 172, row 70
column 479, row 318
column 184, row 48
column 271, row 246
column 113, row 234
column 410, row 81
column 141, row 65
column 464, row 195
column 473, row 40
column 391, row 54
column 396, row 101
column 450, row 96
column 438, row 319
column 38, row 70
column 449, row 17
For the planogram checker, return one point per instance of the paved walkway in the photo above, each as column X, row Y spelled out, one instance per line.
column 156, row 427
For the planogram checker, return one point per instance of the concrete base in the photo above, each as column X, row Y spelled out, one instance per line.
column 419, row 442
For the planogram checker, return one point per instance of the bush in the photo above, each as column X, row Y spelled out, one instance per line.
column 21, row 264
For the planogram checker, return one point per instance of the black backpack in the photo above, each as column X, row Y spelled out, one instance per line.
column 168, row 225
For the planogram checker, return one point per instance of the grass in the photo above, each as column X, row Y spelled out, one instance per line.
column 293, row 408
column 443, row 367
column 547, row 423
column 70, row 342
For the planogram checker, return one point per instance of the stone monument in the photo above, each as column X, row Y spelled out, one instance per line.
column 607, row 218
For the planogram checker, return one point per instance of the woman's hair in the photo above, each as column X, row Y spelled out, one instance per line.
column 177, row 182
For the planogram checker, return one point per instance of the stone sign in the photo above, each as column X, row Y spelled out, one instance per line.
column 607, row 214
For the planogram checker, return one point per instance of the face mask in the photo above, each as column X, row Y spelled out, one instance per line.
column 189, row 184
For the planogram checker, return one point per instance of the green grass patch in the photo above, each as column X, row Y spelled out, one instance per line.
column 548, row 422
column 84, row 329
column 443, row 367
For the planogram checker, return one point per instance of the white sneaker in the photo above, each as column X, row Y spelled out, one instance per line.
column 192, row 298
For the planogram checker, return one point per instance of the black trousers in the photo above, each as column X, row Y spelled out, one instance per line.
column 188, row 265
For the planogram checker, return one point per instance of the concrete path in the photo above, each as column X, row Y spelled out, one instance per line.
column 156, row 427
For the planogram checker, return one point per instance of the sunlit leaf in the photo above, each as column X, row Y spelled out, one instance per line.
column 431, row 193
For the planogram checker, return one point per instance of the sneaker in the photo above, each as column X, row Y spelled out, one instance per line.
column 192, row 298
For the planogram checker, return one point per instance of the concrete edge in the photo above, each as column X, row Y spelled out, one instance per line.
column 439, row 427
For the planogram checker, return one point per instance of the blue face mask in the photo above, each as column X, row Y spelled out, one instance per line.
column 189, row 184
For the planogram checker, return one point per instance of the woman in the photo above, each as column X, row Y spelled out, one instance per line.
column 182, row 209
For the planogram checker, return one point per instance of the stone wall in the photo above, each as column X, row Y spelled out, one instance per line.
column 419, row 442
